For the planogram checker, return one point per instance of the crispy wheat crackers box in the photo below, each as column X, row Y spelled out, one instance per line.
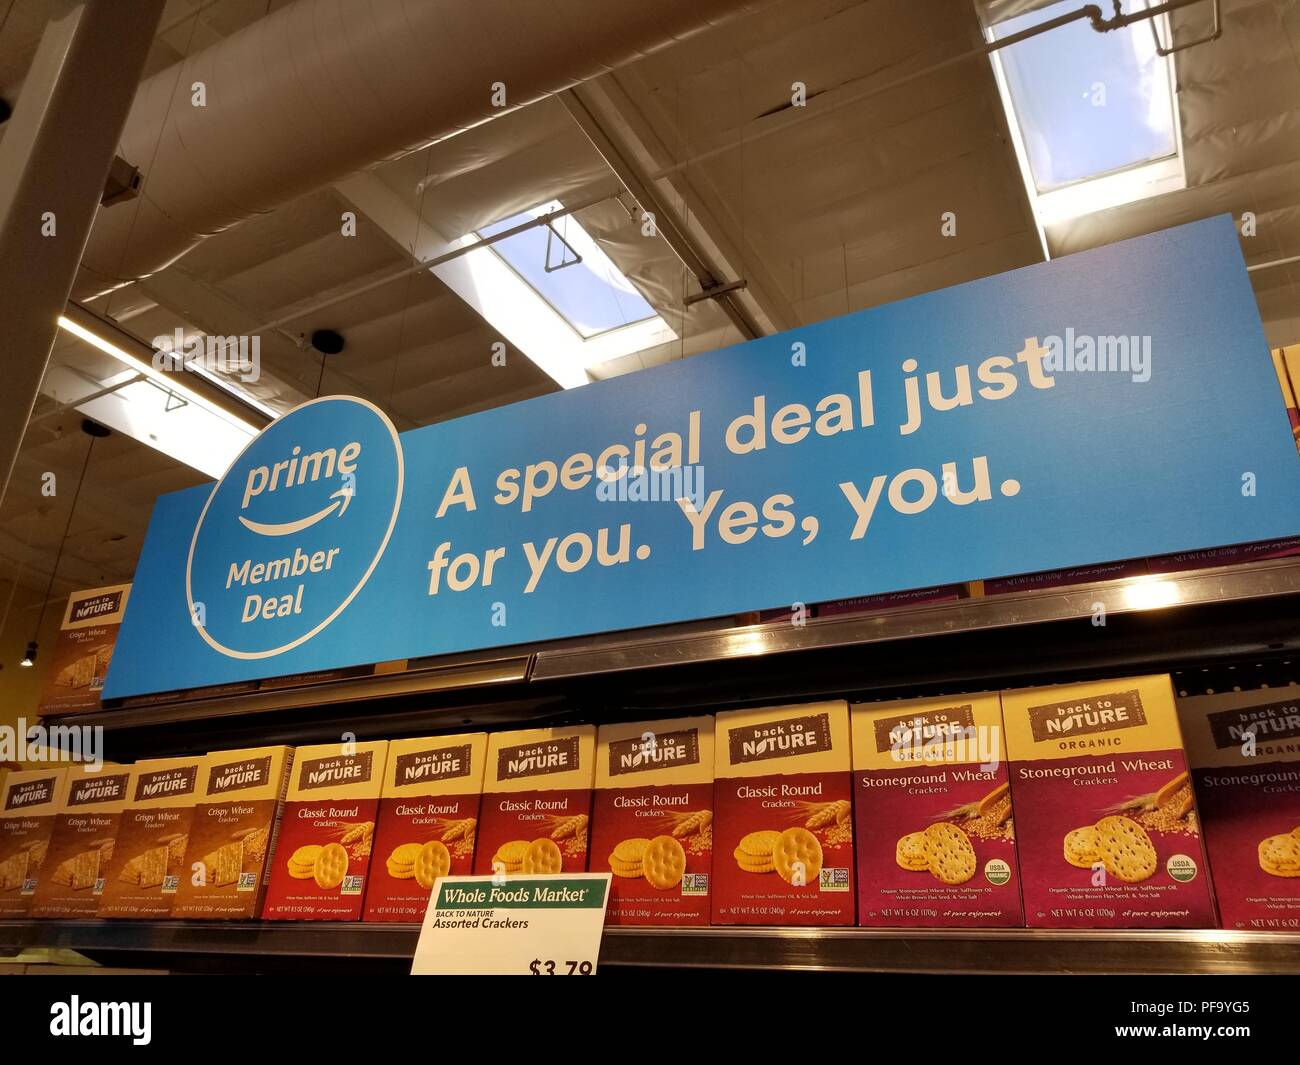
column 652, row 820
column 1244, row 748
column 536, row 801
column 932, row 816
column 782, row 826
column 428, row 821
column 322, row 857
column 82, row 841
column 233, row 833
column 1105, row 827
column 148, row 860
column 28, row 805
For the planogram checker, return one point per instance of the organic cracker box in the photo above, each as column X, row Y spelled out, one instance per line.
column 536, row 801
column 1244, row 748
column 233, row 833
column 148, row 859
column 652, row 820
column 82, row 841
column 319, row 868
column 783, row 821
column 1105, row 825
column 932, row 815
column 28, row 804
column 428, row 821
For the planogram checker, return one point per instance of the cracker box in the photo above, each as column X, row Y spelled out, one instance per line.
column 1244, row 748
column 932, row 815
column 782, row 826
column 536, row 801
column 1105, row 824
column 233, row 834
column 28, row 804
column 82, row 841
column 428, row 822
column 652, row 820
column 327, row 832
column 149, row 857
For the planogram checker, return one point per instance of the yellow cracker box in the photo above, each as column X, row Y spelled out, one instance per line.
column 782, row 824
column 28, row 805
column 82, row 841
column 1106, row 832
column 233, row 833
column 428, row 822
column 327, row 833
column 148, row 860
column 652, row 820
column 536, row 806
column 932, row 814
column 1244, row 749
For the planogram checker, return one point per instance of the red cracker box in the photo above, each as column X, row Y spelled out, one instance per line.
column 1106, row 827
column 652, row 820
column 327, row 830
column 1245, row 753
column 428, row 821
column 536, row 806
column 782, row 826
column 82, row 841
column 932, row 815
column 28, row 804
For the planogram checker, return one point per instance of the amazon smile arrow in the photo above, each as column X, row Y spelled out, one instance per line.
column 341, row 500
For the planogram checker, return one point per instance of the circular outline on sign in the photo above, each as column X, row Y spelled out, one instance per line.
column 397, row 506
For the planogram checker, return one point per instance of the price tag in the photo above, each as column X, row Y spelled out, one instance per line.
column 485, row 925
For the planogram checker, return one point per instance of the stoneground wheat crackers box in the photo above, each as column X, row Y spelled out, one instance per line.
column 1105, row 827
column 28, row 803
column 1244, row 748
column 536, row 806
column 82, row 841
column 783, row 826
column 652, row 820
column 932, row 815
column 322, row 858
column 149, row 857
column 428, row 822
column 233, row 833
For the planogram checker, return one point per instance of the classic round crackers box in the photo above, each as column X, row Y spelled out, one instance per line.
column 652, row 820
column 82, row 841
column 428, row 822
column 1245, row 753
column 536, row 807
column 28, row 803
column 322, row 857
column 932, row 816
column 1105, row 820
column 233, row 834
column 781, row 781
column 152, row 835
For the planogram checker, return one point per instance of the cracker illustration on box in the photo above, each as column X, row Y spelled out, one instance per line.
column 28, row 805
column 82, row 842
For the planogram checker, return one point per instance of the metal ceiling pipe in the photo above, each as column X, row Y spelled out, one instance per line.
column 322, row 88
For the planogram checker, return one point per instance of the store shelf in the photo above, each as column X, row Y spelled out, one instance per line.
column 255, row 945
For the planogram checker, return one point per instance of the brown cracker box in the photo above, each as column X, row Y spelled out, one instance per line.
column 932, row 815
column 428, row 822
column 233, row 833
column 782, row 783
column 1244, row 748
column 148, row 859
column 82, row 841
column 321, row 862
column 28, row 805
column 652, row 820
column 1105, row 825
column 536, row 801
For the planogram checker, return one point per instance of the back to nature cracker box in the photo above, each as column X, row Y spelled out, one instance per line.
column 82, row 841
column 1245, row 753
column 1106, row 830
column 932, row 814
column 783, row 823
column 28, row 803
